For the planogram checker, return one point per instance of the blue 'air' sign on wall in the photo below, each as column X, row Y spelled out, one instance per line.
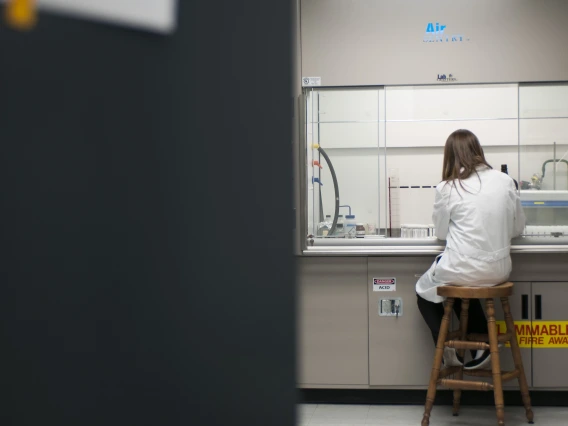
column 436, row 33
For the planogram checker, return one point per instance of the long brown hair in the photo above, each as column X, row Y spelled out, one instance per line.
column 462, row 150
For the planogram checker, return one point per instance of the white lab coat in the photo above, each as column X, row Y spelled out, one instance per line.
column 478, row 225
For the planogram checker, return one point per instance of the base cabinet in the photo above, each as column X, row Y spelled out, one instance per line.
column 345, row 342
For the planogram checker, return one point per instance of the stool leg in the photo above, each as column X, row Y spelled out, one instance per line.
column 461, row 352
column 518, row 359
column 444, row 327
column 495, row 362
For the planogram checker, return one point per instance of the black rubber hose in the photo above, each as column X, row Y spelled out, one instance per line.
column 322, row 216
column 551, row 161
column 335, row 187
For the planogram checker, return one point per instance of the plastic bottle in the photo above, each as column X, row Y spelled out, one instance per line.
column 350, row 225
column 325, row 226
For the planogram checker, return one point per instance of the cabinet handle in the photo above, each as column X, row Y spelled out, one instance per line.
column 525, row 307
column 538, row 307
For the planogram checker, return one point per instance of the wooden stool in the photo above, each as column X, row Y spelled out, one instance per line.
column 479, row 342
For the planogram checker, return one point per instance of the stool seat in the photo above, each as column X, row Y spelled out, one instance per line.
column 463, row 292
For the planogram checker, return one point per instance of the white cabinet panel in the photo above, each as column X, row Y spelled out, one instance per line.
column 435, row 133
column 349, row 105
column 544, row 100
column 452, row 102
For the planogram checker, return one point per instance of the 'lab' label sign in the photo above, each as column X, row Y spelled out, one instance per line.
column 384, row 284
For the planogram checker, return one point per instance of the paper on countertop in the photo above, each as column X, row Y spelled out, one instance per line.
column 152, row 15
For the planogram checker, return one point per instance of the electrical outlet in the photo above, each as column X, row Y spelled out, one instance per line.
column 391, row 307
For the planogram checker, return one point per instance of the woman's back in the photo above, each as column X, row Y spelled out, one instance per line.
column 483, row 214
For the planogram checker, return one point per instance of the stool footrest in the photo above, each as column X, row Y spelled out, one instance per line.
column 460, row 344
column 510, row 375
column 465, row 385
column 505, row 375
column 502, row 338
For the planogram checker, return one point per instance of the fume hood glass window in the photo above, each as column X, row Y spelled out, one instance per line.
column 343, row 162
column 374, row 155
column 543, row 127
column 419, row 119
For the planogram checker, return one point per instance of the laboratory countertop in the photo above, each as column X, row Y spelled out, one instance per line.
column 376, row 245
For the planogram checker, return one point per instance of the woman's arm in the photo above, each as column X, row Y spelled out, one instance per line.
column 441, row 215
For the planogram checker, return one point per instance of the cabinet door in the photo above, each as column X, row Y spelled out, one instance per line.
column 550, row 351
column 333, row 321
column 401, row 349
column 520, row 309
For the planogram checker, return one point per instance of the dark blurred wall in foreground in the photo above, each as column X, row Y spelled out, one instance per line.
column 147, row 276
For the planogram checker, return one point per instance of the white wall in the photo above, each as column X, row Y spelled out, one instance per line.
column 411, row 124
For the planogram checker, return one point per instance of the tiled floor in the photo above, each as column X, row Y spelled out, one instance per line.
column 399, row 415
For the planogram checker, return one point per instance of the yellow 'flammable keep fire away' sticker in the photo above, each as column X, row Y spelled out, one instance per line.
column 539, row 334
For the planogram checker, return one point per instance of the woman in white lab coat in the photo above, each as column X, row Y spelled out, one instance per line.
column 477, row 211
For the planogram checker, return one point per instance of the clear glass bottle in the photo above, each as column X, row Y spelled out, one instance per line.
column 325, row 226
column 431, row 230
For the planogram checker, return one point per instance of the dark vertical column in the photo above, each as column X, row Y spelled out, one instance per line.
column 147, row 275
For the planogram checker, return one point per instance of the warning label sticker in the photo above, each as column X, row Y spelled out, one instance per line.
column 539, row 334
column 384, row 284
